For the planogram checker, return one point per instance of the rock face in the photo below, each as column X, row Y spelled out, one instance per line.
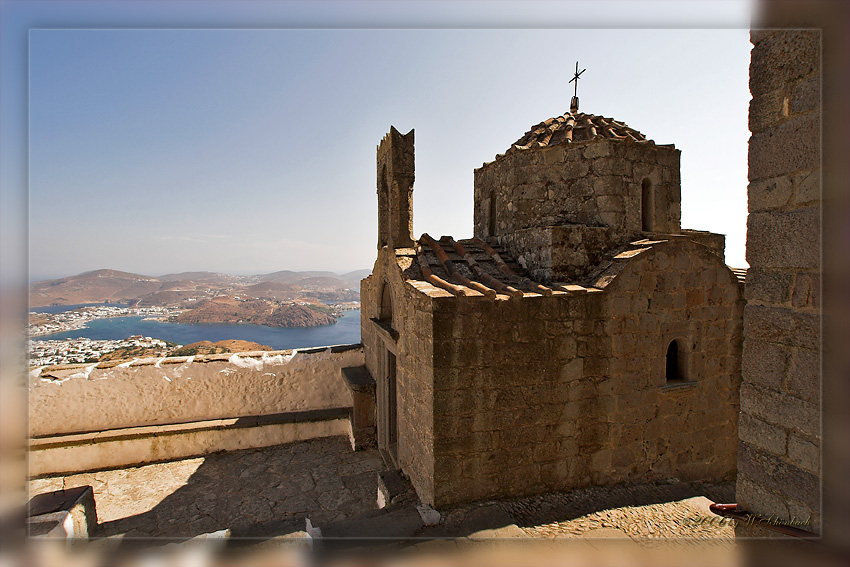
column 258, row 312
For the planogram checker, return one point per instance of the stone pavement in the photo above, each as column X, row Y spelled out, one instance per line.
column 254, row 493
column 269, row 492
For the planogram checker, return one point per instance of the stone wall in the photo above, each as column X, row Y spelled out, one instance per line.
column 595, row 183
column 559, row 253
column 544, row 394
column 413, row 350
column 780, row 436
column 99, row 397
column 684, row 425
column 503, row 375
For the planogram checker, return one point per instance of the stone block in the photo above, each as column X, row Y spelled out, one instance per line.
column 783, row 57
column 768, row 286
column 778, row 475
column 553, row 155
column 787, row 411
column 804, row 378
column 566, row 348
column 611, row 219
column 807, row 188
column 597, row 149
column 792, row 146
column 806, row 292
column 766, row 363
column 573, row 169
column 806, row 96
column 581, row 390
column 758, row 500
column 769, row 194
column 601, row 460
column 609, row 185
column 782, row 326
column 623, row 457
column 670, row 158
column 804, row 453
column 573, row 370
column 610, row 203
column 762, row 435
column 612, row 166
column 784, row 240
column 766, row 110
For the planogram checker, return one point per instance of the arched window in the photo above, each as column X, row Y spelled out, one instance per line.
column 383, row 209
column 386, row 308
column 675, row 360
column 647, row 206
column 492, row 220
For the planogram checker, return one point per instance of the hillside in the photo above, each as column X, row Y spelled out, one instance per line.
column 257, row 312
column 100, row 286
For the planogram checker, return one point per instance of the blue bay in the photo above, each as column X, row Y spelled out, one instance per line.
column 345, row 331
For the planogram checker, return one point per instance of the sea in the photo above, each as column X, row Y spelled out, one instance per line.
column 345, row 331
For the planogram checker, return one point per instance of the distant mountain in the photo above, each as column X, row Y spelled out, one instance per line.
column 289, row 276
column 189, row 289
column 355, row 276
column 99, row 286
column 191, row 276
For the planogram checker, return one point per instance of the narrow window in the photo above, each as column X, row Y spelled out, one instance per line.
column 383, row 210
column 674, row 371
column 386, row 308
column 647, row 206
column 492, row 220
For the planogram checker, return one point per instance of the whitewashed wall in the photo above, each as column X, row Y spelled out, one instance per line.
column 157, row 392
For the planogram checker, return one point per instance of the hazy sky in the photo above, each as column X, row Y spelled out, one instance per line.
column 253, row 150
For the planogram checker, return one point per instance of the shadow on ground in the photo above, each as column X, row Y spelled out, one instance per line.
column 254, row 493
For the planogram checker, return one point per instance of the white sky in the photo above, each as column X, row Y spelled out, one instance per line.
column 253, row 150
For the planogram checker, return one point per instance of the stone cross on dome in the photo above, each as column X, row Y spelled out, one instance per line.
column 574, row 101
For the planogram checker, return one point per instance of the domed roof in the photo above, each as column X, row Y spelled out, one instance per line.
column 578, row 127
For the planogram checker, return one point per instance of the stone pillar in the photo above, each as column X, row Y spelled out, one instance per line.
column 395, row 190
column 779, row 464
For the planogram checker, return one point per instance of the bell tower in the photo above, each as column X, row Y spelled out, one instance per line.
column 395, row 190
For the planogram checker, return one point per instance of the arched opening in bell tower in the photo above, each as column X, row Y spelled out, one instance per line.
column 647, row 205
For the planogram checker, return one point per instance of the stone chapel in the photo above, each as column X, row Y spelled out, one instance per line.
column 582, row 337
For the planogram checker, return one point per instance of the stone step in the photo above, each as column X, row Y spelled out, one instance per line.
column 393, row 488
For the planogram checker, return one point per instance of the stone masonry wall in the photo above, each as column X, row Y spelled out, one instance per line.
column 504, row 372
column 559, row 253
column 411, row 318
column 596, row 183
column 544, row 394
column 685, row 429
column 780, row 436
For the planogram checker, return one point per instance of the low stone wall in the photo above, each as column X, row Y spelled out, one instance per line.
column 98, row 397
column 132, row 446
